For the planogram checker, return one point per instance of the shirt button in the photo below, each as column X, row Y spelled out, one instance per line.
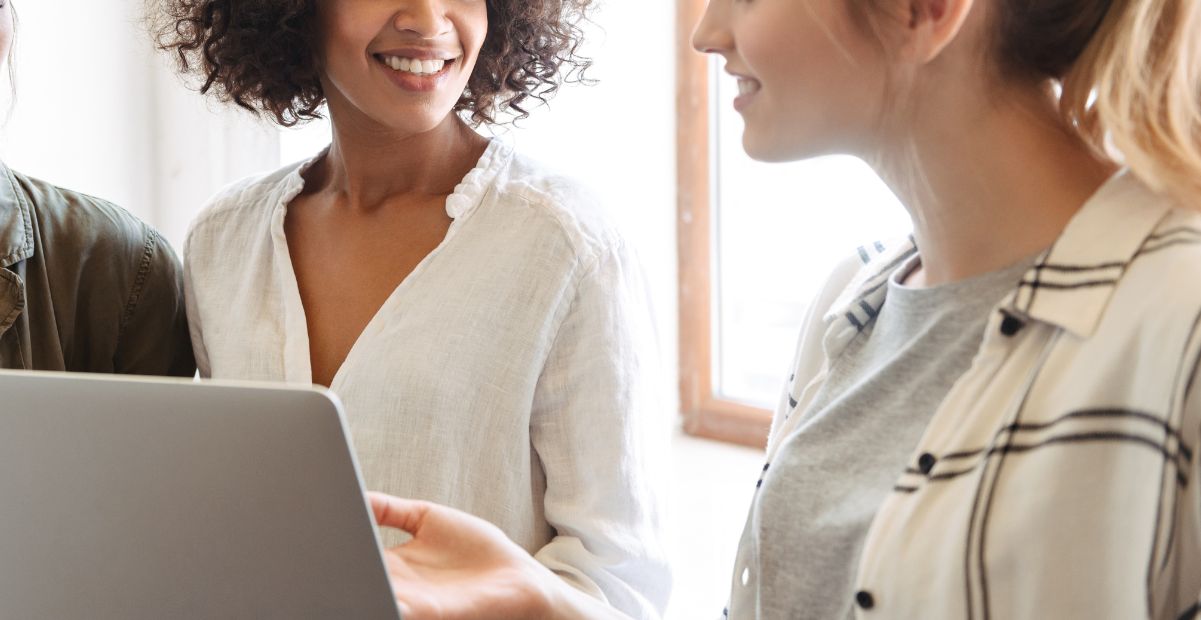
column 1011, row 325
column 926, row 463
column 864, row 599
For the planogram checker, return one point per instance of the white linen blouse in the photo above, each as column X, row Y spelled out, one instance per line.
column 511, row 375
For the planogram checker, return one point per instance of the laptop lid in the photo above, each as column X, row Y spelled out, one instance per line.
column 158, row 498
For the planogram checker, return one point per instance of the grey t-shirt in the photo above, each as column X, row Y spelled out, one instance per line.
column 801, row 546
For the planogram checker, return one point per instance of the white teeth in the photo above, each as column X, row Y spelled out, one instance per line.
column 747, row 87
column 414, row 65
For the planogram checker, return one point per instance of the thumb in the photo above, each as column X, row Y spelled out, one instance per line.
column 395, row 512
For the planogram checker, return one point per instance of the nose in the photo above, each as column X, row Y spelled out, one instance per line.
column 424, row 18
column 712, row 34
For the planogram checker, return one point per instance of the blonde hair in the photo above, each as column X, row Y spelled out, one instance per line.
column 1137, row 85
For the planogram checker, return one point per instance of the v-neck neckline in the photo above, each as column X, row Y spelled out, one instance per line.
column 460, row 206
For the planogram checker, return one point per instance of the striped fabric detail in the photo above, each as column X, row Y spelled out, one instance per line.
column 869, row 297
column 1116, row 426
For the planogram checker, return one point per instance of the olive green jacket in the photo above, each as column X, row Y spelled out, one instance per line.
column 85, row 286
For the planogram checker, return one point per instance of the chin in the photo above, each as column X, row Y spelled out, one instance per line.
column 768, row 149
column 408, row 117
column 775, row 148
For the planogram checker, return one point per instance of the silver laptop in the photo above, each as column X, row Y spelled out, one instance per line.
column 157, row 498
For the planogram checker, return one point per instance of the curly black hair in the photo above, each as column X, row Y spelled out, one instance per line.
column 258, row 54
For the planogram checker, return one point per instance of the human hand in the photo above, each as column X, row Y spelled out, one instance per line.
column 459, row 567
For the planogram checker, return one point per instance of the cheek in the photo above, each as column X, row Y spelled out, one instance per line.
column 471, row 34
column 473, row 31
column 334, row 50
column 819, row 80
column 803, row 64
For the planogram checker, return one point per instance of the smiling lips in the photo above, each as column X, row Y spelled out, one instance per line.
column 416, row 70
column 747, row 89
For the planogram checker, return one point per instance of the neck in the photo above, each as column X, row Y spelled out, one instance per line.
column 989, row 183
column 368, row 165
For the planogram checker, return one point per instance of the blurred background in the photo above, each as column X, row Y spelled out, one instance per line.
column 98, row 110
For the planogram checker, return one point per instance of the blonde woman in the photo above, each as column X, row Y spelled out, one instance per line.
column 1000, row 417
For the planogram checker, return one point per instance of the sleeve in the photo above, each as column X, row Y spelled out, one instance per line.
column 193, row 311
column 601, row 433
column 153, row 337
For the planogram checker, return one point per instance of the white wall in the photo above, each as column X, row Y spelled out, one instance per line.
column 98, row 91
column 200, row 146
column 98, row 110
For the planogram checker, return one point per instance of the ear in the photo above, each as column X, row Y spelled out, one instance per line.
column 933, row 25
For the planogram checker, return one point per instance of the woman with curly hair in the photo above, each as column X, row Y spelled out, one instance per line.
column 485, row 326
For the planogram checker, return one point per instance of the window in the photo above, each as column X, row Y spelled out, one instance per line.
column 756, row 243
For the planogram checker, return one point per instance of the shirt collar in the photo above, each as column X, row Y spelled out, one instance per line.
column 861, row 300
column 1069, row 285
column 16, row 223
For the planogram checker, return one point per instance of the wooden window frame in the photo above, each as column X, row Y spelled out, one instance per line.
column 705, row 413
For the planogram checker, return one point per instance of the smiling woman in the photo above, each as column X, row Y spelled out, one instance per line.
column 483, row 322
column 259, row 54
